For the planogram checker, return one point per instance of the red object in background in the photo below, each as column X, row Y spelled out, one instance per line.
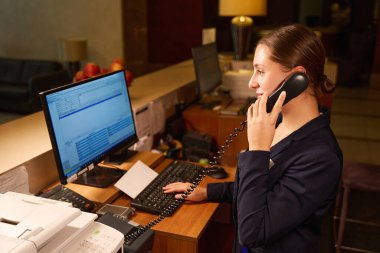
column 129, row 77
column 104, row 71
column 116, row 66
column 79, row 76
column 91, row 69
column 120, row 61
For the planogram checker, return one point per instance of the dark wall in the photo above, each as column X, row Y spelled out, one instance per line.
column 174, row 27
column 362, row 15
column 279, row 12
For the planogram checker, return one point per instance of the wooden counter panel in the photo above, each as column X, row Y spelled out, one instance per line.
column 219, row 127
column 201, row 120
column 226, row 126
column 22, row 140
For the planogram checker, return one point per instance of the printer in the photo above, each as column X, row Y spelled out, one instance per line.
column 34, row 224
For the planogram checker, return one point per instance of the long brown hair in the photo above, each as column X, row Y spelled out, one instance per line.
column 297, row 45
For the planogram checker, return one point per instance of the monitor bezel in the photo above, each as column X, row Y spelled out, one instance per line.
column 197, row 56
column 126, row 143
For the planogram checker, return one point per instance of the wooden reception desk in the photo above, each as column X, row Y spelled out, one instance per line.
column 25, row 141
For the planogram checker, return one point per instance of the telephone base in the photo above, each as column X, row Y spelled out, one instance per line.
column 142, row 244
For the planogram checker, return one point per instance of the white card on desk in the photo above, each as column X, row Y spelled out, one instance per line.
column 136, row 179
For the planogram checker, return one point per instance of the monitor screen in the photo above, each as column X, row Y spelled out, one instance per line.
column 88, row 120
column 207, row 69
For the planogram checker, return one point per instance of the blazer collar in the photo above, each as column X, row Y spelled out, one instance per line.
column 309, row 128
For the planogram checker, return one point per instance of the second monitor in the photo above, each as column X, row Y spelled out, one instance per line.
column 207, row 69
column 208, row 74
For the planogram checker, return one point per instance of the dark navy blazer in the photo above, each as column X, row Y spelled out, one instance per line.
column 280, row 208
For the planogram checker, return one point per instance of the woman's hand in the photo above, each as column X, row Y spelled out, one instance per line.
column 260, row 124
column 199, row 193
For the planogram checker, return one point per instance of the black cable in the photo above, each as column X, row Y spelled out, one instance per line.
column 229, row 140
column 129, row 238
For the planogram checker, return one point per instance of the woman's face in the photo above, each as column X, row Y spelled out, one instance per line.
column 267, row 74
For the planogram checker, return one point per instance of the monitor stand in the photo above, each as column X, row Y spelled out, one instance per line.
column 100, row 177
column 210, row 104
column 119, row 157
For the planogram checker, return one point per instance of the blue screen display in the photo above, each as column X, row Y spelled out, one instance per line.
column 90, row 119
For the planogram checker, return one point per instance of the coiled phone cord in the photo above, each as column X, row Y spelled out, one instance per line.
column 129, row 238
column 220, row 153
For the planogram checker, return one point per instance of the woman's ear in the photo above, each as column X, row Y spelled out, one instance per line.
column 300, row 69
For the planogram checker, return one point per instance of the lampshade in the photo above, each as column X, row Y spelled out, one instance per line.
column 242, row 7
column 74, row 49
column 241, row 25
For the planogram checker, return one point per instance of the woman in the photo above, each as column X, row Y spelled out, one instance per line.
column 289, row 176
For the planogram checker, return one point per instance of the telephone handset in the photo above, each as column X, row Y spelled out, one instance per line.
column 294, row 85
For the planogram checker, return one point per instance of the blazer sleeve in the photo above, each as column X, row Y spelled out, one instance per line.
column 263, row 215
column 220, row 192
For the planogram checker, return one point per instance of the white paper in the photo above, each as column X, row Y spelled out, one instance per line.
column 236, row 81
column 208, row 35
column 143, row 121
column 169, row 100
column 136, row 179
column 158, row 113
column 144, row 144
column 15, row 180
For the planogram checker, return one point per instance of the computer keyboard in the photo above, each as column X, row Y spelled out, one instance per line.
column 63, row 193
column 153, row 200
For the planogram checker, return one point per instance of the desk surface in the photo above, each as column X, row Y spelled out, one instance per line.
column 180, row 232
column 189, row 221
column 109, row 194
column 26, row 138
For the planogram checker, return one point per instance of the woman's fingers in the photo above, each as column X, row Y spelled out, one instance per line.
column 261, row 125
column 178, row 196
column 262, row 110
column 197, row 194
column 278, row 106
column 253, row 109
column 176, row 187
column 259, row 107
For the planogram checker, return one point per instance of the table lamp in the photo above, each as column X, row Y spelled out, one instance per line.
column 241, row 25
column 74, row 50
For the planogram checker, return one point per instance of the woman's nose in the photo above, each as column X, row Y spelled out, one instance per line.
column 252, row 83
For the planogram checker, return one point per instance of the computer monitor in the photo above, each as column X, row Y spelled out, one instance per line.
column 87, row 121
column 207, row 69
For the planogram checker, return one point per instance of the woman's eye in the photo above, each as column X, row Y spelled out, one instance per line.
column 260, row 72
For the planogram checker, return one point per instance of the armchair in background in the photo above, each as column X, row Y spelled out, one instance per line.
column 21, row 80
